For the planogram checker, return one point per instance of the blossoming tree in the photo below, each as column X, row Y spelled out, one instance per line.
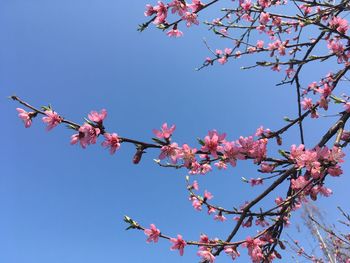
column 287, row 36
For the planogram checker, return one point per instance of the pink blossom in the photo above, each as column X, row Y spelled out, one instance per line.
column 190, row 18
column 345, row 135
column 174, row 33
column 264, row 18
column 232, row 251
column 207, row 195
column 262, row 132
column 307, row 9
column 228, row 51
column 260, row 44
column 220, row 218
column 98, row 117
column 335, row 170
column 87, row 135
column 232, row 152
column 307, row 103
column 266, row 167
column 196, row 5
column 253, row 149
column 290, row 72
column 299, row 183
column 254, row 249
column 171, row 151
column 162, row 13
column 296, row 152
column 264, row 3
column 52, row 119
column 248, row 222
column 336, row 155
column 246, row 5
column 153, row 234
column 112, row 141
column 195, row 185
column 206, row 255
column 149, row 10
column 222, row 60
column 178, row 6
column 211, row 210
column 279, row 200
column 257, row 181
column 178, row 243
column 212, row 143
column 340, row 24
column 197, row 205
column 188, row 155
column 221, row 165
column 164, row 132
column 26, row 117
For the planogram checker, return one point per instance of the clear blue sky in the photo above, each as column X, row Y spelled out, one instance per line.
column 62, row 204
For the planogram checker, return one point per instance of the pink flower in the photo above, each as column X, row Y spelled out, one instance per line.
column 174, row 33
column 220, row 218
column 264, row 3
column 307, row 103
column 260, row 44
column 197, row 205
column 162, row 13
column 211, row 210
column 212, row 143
column 257, row 181
column 248, row 222
column 296, row 152
column 112, row 141
column 340, row 24
column 279, row 200
column 98, row 117
column 164, row 132
column 188, row 155
column 336, row 155
column 195, row 185
column 26, row 117
column 52, row 119
column 191, row 18
column 87, row 135
column 206, row 255
column 171, row 151
column 178, row 6
column 222, row 60
column 345, row 135
column 152, row 233
column 299, row 183
column 178, row 243
column 149, row 10
column 246, row 5
column 196, row 5
column 232, row 251
column 266, row 167
column 264, row 18
column 207, row 195
column 221, row 165
column 254, row 249
column 335, row 170
column 253, row 149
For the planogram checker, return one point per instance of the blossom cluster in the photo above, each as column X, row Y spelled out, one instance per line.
column 184, row 10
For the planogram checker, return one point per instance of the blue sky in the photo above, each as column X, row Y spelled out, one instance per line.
column 63, row 204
